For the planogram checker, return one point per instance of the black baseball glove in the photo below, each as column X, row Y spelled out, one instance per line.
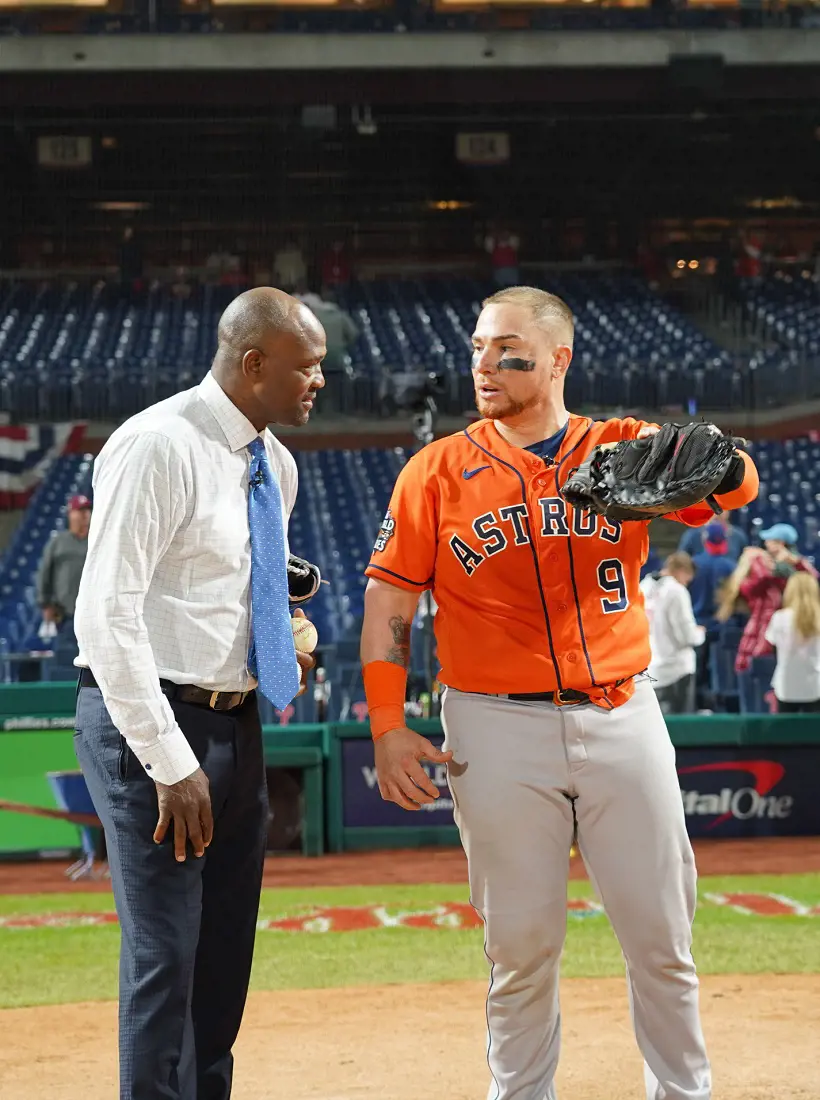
column 639, row 479
column 304, row 579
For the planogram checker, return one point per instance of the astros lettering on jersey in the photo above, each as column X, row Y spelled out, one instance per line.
column 532, row 595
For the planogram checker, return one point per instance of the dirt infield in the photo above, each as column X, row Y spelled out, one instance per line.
column 763, row 856
column 333, row 1044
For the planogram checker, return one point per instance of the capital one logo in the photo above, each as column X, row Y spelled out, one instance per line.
column 741, row 803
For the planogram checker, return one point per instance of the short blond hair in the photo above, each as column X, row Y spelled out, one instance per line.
column 679, row 562
column 548, row 310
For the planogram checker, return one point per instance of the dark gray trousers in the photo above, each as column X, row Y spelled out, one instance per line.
column 187, row 928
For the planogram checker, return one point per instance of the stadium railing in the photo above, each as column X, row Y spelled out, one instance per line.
column 31, row 393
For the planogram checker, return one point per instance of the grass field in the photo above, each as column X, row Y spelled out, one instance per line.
column 55, row 965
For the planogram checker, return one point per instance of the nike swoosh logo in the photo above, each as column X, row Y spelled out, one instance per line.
column 471, row 473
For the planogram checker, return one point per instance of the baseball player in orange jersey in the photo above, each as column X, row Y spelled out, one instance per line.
column 552, row 728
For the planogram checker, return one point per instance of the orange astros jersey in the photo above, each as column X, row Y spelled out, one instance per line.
column 532, row 595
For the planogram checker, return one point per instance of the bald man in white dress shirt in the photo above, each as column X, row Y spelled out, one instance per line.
column 168, row 733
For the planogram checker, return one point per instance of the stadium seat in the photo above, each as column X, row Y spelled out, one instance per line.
column 783, row 313
column 88, row 351
column 722, row 675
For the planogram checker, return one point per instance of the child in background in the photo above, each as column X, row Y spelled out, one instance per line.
column 794, row 631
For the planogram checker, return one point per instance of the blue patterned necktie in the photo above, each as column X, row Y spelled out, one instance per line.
column 272, row 657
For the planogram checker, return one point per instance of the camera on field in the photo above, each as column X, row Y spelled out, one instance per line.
column 414, row 391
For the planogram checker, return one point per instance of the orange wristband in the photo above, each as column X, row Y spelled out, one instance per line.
column 385, row 687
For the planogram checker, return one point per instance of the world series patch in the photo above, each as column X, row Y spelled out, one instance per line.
column 386, row 531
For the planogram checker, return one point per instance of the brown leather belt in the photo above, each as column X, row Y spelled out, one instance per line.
column 186, row 693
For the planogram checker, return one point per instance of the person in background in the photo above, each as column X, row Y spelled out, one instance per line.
column 335, row 268
column 730, row 601
column 794, row 631
column 181, row 286
column 713, row 567
column 653, row 563
column 751, row 257
column 673, row 633
column 233, row 274
column 289, row 267
column 503, row 249
column 341, row 334
column 217, row 264
column 693, row 539
column 759, row 579
column 340, row 329
column 58, row 580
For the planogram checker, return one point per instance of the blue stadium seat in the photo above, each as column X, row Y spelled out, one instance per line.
column 84, row 351
column 722, row 675
column 784, row 313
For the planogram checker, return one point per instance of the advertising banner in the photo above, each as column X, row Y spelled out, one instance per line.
column 750, row 792
column 730, row 792
column 362, row 805
column 27, row 756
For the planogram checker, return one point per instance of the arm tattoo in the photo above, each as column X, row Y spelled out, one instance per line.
column 399, row 652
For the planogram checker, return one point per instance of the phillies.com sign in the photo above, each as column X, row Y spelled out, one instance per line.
column 750, row 792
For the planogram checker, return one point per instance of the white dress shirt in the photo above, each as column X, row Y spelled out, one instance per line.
column 797, row 673
column 166, row 587
column 673, row 631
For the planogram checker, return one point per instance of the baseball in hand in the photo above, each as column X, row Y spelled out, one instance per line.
column 305, row 635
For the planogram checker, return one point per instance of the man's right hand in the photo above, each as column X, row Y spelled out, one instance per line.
column 401, row 777
column 188, row 804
